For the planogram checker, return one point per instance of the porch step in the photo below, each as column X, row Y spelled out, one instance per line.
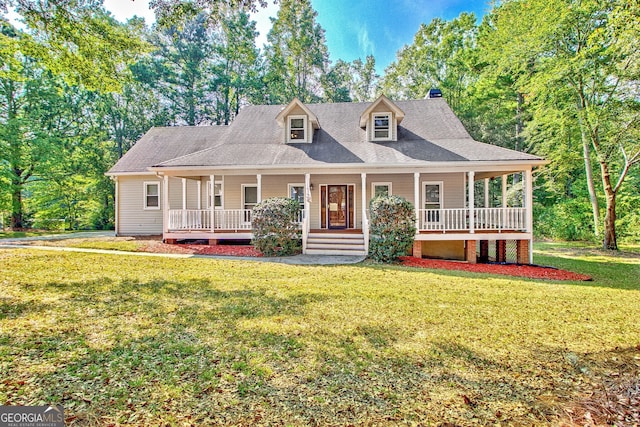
column 335, row 244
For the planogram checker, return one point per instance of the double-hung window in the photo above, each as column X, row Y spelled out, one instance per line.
column 297, row 129
column 433, row 200
column 217, row 195
column 380, row 189
column 381, row 126
column 151, row 195
column 249, row 199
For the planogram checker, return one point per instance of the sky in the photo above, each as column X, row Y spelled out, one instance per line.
column 353, row 28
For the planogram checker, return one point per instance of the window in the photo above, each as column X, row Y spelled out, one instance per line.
column 380, row 189
column 152, row 195
column 297, row 128
column 296, row 192
column 381, row 127
column 249, row 199
column 432, row 200
column 217, row 195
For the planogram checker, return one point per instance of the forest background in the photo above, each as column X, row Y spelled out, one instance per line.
column 556, row 78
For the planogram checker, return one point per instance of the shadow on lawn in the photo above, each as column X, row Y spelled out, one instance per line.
column 190, row 352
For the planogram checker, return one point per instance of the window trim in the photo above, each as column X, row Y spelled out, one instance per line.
column 291, row 185
column 441, row 192
column 145, row 205
column 244, row 186
column 211, row 196
column 389, row 116
column 304, row 128
column 380, row 184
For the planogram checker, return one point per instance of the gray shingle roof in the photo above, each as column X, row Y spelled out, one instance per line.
column 430, row 132
column 160, row 144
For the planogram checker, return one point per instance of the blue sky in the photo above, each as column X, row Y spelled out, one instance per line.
column 353, row 28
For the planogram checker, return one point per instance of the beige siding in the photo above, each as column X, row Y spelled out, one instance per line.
column 278, row 186
column 133, row 219
column 232, row 190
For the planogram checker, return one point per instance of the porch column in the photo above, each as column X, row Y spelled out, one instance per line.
column 199, row 187
column 504, row 223
column 306, row 222
column 165, row 203
column 528, row 182
column 416, row 198
column 365, row 220
column 184, row 194
column 486, row 193
column 212, row 188
column 259, row 190
column 504, row 191
column 472, row 202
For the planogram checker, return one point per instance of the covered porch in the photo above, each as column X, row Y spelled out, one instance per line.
column 480, row 206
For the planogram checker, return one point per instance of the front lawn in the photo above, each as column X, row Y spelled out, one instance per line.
column 149, row 341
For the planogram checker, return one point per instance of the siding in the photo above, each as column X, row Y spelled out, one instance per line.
column 133, row 219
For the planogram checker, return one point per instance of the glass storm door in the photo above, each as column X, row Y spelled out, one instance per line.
column 337, row 206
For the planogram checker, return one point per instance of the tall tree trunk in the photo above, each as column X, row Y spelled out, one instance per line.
column 593, row 198
column 17, row 214
column 610, row 239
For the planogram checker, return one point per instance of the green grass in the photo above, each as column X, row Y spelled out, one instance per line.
column 149, row 341
column 34, row 233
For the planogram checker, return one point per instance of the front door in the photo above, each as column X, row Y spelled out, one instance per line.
column 337, row 206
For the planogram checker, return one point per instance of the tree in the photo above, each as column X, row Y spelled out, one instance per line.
column 80, row 41
column 436, row 58
column 238, row 64
column 296, row 57
column 584, row 60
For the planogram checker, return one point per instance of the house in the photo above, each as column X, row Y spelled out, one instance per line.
column 202, row 182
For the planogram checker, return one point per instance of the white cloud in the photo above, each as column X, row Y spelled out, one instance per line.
column 366, row 45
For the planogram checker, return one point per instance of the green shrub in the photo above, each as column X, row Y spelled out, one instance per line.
column 275, row 228
column 392, row 228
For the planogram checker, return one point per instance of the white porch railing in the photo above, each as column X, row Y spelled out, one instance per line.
column 223, row 219
column 501, row 219
column 443, row 219
column 489, row 219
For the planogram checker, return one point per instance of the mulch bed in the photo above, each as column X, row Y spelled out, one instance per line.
column 228, row 250
column 529, row 271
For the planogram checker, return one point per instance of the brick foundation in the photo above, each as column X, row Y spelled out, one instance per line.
column 484, row 251
column 170, row 241
column 501, row 251
column 470, row 251
column 417, row 249
column 522, row 251
column 213, row 242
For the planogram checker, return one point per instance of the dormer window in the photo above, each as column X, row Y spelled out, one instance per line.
column 381, row 120
column 381, row 126
column 297, row 128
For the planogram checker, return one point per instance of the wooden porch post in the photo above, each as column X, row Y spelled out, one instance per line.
column 165, row 204
column 184, row 194
column 306, row 223
column 365, row 220
column 472, row 202
column 529, row 209
column 199, row 187
column 416, row 198
column 259, row 190
column 212, row 179
column 486, row 193
column 504, row 191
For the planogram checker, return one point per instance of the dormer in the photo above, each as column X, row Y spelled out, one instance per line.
column 298, row 122
column 381, row 120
